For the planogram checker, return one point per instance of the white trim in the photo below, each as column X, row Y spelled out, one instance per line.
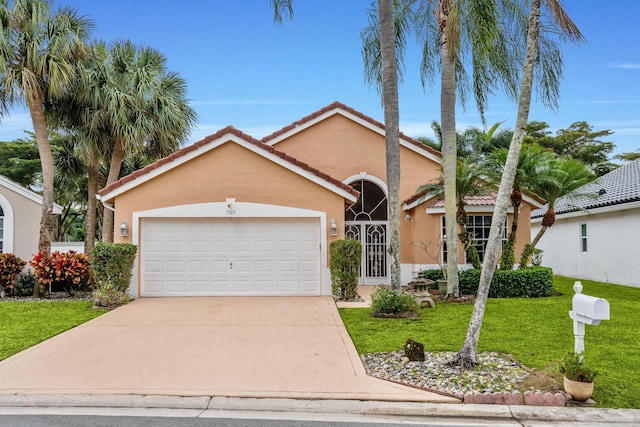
column 8, row 225
column 593, row 211
column 26, row 193
column 363, row 175
column 228, row 137
column 469, row 209
column 363, row 122
column 240, row 210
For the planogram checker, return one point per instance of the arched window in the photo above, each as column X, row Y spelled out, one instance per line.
column 372, row 204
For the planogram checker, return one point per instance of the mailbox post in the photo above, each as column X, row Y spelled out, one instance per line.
column 586, row 310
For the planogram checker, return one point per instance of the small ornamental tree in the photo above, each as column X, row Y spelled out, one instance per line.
column 10, row 267
column 346, row 256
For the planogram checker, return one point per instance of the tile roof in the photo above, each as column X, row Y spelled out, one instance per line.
column 338, row 105
column 214, row 137
column 618, row 187
column 488, row 199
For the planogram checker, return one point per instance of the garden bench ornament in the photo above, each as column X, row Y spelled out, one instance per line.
column 586, row 310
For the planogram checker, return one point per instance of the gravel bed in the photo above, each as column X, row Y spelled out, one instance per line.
column 495, row 372
column 53, row 297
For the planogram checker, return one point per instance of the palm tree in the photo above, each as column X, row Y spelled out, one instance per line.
column 469, row 182
column 449, row 30
column 39, row 53
column 530, row 173
column 138, row 103
column 467, row 356
column 569, row 175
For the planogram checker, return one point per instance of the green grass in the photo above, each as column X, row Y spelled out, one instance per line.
column 537, row 332
column 25, row 324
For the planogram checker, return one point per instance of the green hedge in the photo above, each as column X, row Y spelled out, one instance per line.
column 113, row 264
column 345, row 259
column 531, row 282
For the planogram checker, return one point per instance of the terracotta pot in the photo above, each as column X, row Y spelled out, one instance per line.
column 578, row 391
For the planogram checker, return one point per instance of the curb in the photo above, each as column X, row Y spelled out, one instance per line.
column 360, row 407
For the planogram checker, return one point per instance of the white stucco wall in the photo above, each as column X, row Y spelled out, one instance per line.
column 613, row 252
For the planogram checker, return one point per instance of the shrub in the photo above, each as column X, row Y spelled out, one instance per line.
column 113, row 264
column 387, row 301
column 529, row 282
column 573, row 367
column 61, row 271
column 10, row 267
column 108, row 297
column 25, row 284
column 346, row 256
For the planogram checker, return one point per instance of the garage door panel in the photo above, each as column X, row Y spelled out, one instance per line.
column 230, row 257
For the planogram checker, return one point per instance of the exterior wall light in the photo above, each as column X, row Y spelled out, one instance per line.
column 334, row 227
column 124, row 228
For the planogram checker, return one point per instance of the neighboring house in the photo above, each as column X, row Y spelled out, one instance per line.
column 596, row 234
column 20, row 214
column 232, row 215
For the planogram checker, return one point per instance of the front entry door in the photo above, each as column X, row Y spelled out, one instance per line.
column 373, row 236
column 366, row 221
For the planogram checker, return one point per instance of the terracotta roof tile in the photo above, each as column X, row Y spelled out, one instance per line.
column 350, row 110
column 229, row 129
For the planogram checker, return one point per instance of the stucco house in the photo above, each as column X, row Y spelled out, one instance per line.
column 20, row 213
column 233, row 215
column 596, row 235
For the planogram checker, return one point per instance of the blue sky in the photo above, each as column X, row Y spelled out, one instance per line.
column 244, row 71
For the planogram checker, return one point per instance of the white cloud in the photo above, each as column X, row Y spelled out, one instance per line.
column 627, row 66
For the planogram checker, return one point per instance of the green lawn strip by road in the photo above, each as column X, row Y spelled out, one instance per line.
column 24, row 324
column 536, row 331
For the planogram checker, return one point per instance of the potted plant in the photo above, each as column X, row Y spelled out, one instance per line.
column 578, row 376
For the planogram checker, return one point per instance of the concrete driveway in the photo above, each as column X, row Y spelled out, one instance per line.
column 293, row 347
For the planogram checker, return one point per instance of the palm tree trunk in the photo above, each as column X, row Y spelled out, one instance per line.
column 392, row 134
column 90, row 219
column 117, row 158
column 467, row 356
column 449, row 153
column 541, row 232
column 46, row 160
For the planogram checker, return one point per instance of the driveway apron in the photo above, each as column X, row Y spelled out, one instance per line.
column 295, row 347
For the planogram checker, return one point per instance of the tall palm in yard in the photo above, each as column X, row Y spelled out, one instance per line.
column 138, row 103
column 387, row 32
column 467, row 356
column 469, row 182
column 39, row 53
column 449, row 31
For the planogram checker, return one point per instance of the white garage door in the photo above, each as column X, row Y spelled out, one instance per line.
column 225, row 256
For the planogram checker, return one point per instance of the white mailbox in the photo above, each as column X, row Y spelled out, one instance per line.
column 586, row 310
column 590, row 310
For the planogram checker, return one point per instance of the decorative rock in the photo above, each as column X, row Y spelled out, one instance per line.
column 414, row 350
column 405, row 360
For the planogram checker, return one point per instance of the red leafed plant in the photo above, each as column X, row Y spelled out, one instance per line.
column 10, row 267
column 67, row 269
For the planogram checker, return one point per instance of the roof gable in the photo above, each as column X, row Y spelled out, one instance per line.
column 356, row 116
column 226, row 135
column 26, row 193
column 619, row 187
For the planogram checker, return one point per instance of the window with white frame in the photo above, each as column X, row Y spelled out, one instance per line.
column 478, row 227
column 583, row 237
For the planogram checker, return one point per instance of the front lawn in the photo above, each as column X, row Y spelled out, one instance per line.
column 25, row 324
column 536, row 331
